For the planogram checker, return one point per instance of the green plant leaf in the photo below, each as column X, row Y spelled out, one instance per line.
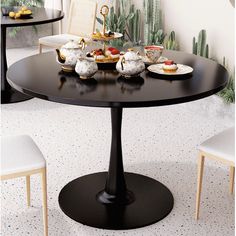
column 99, row 20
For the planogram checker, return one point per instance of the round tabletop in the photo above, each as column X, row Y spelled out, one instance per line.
column 40, row 76
column 39, row 16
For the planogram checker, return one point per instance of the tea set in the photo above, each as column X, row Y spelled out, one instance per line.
column 72, row 57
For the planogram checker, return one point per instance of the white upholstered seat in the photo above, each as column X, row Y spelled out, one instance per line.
column 221, row 148
column 221, row 145
column 81, row 23
column 58, row 40
column 20, row 154
column 21, row 157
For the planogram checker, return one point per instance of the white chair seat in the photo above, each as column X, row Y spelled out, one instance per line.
column 20, row 154
column 56, row 41
column 221, row 145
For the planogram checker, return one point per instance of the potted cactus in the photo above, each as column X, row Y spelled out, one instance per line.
column 170, row 42
column 153, row 33
column 200, row 47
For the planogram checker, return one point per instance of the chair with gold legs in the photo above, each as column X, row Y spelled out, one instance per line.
column 221, row 148
column 81, row 24
column 20, row 157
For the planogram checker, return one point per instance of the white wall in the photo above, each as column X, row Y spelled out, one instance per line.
column 188, row 17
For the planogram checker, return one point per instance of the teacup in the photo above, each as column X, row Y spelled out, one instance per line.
column 153, row 52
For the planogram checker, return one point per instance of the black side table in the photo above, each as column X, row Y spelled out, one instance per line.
column 39, row 16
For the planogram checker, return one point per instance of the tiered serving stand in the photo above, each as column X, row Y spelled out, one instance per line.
column 105, row 40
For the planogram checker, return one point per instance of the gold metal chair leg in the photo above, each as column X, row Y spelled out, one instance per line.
column 45, row 208
column 231, row 183
column 201, row 160
column 28, row 189
column 40, row 48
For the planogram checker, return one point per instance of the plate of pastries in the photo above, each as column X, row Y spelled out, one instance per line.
column 109, row 55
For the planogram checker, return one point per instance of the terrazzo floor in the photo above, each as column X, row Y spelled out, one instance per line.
column 160, row 142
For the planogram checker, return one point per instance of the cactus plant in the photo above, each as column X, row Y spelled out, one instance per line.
column 200, row 47
column 114, row 22
column 170, row 42
column 125, row 20
column 152, row 22
column 228, row 93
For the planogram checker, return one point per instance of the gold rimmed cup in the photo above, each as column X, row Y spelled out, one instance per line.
column 153, row 52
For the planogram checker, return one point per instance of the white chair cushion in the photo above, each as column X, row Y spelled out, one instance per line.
column 221, row 145
column 20, row 154
column 57, row 41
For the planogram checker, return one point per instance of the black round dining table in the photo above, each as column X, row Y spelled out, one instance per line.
column 116, row 199
column 39, row 16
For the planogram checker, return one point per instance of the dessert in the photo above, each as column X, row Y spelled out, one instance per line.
column 109, row 55
column 170, row 66
column 100, row 36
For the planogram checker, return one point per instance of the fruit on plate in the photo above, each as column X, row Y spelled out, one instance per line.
column 12, row 14
column 17, row 15
column 23, row 11
column 24, row 8
column 170, row 66
column 110, row 55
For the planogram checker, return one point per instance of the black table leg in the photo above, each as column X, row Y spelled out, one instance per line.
column 8, row 94
column 128, row 200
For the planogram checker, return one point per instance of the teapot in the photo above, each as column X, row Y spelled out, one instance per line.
column 130, row 64
column 69, row 53
column 86, row 67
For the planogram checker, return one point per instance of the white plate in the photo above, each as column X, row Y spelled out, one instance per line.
column 182, row 70
column 149, row 62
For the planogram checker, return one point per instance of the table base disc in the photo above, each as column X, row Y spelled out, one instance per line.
column 153, row 202
column 12, row 96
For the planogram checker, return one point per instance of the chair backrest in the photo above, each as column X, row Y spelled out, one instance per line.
column 82, row 17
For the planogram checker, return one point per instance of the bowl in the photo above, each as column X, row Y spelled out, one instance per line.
column 153, row 52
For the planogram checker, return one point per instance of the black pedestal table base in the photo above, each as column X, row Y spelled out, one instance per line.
column 12, row 96
column 114, row 199
column 152, row 202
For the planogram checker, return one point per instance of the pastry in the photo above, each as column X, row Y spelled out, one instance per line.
column 170, row 66
column 100, row 36
column 110, row 55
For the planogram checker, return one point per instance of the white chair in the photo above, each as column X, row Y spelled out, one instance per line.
column 221, row 148
column 20, row 157
column 81, row 24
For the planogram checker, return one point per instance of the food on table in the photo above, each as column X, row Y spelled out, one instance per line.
column 100, row 36
column 109, row 55
column 17, row 15
column 12, row 14
column 24, row 11
column 170, row 66
column 24, row 8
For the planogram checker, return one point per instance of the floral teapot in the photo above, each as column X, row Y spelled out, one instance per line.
column 130, row 64
column 69, row 53
column 86, row 67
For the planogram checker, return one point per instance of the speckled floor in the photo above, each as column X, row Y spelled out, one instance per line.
column 160, row 142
